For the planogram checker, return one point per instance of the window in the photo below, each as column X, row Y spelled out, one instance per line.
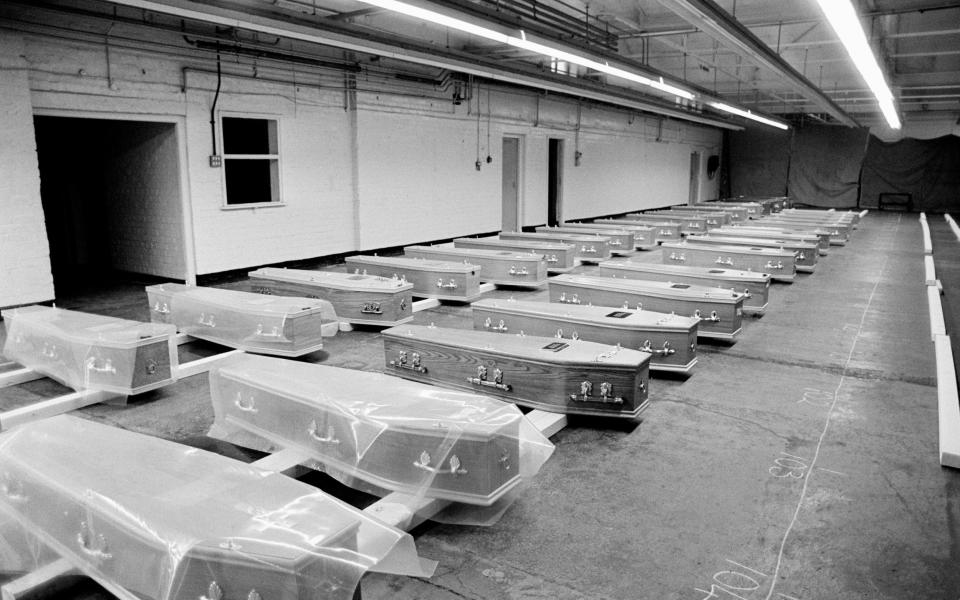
column 251, row 161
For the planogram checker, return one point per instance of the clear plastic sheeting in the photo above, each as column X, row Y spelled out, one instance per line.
column 390, row 434
column 88, row 351
column 162, row 521
column 285, row 326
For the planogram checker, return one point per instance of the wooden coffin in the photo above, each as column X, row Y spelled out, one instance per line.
column 671, row 340
column 251, row 322
column 720, row 311
column 688, row 223
column 822, row 241
column 778, row 263
column 754, row 286
column 736, row 214
column 844, row 215
column 839, row 236
column 164, row 521
column 823, row 235
column 500, row 267
column 88, row 351
column 754, row 210
column 566, row 376
column 559, row 257
column 589, row 248
column 440, row 279
column 644, row 236
column 621, row 240
column 805, row 253
column 663, row 231
column 397, row 435
column 712, row 218
column 357, row 298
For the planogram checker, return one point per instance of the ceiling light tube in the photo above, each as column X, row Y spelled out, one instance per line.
column 523, row 43
column 748, row 115
column 843, row 18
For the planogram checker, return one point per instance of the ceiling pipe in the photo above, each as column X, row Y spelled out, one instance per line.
column 720, row 25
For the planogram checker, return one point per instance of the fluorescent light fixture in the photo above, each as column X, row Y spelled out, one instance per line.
column 748, row 115
column 523, row 43
column 843, row 18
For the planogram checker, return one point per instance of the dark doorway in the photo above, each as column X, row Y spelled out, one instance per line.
column 554, row 181
column 111, row 200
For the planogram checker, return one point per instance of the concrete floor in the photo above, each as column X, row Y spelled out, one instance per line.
column 799, row 462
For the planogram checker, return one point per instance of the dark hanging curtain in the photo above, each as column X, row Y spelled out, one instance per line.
column 825, row 163
column 928, row 170
column 759, row 158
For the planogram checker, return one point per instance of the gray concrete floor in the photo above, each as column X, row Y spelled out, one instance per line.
column 799, row 462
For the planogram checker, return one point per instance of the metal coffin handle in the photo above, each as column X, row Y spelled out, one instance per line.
column 248, row 406
column 770, row 265
column 274, row 332
column 94, row 364
column 713, row 318
column 450, row 285
column 314, row 432
column 206, row 320
column 501, row 326
column 372, row 308
column 481, row 379
column 161, row 308
column 91, row 544
column 679, row 257
column 413, row 364
column 573, row 299
column 665, row 351
column 455, row 467
column 522, row 271
column 720, row 261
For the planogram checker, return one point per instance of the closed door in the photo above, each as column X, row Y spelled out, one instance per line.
column 554, row 181
column 511, row 184
column 694, row 178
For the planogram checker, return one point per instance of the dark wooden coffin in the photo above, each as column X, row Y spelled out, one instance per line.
column 398, row 435
column 754, row 286
column 852, row 216
column 778, row 263
column 283, row 326
column 821, row 241
column 88, row 351
column 620, row 241
column 805, row 253
column 566, row 376
column 560, row 257
column 500, row 267
column 688, row 223
column 671, row 340
column 588, row 248
column 357, row 298
column 440, row 279
column 162, row 521
column 720, row 311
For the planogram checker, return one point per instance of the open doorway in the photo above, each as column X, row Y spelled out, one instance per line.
column 510, row 184
column 694, row 178
column 111, row 200
column 554, row 181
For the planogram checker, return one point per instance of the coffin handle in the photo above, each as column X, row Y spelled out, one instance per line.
column 245, row 406
column 777, row 266
column 518, row 272
column 450, row 285
column 713, row 318
column 161, row 308
column 206, row 320
column 497, row 382
column 454, row 469
column 91, row 544
column 330, row 438
column 501, row 326
column 93, row 364
column 666, row 351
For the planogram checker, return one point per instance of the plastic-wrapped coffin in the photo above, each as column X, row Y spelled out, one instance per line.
column 719, row 311
column 663, row 230
column 589, row 248
column 755, row 287
column 671, row 340
column 440, row 279
column 560, row 257
column 87, row 351
column 500, row 267
column 780, row 264
column 250, row 322
column 162, row 521
column 357, row 298
column 566, row 376
column 393, row 434
column 620, row 241
column 805, row 254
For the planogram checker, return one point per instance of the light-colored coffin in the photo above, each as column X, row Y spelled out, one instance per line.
column 440, row 279
column 720, row 311
column 822, row 234
column 754, row 210
column 845, row 215
column 644, row 237
column 805, row 253
column 755, row 287
column 713, row 218
column 822, row 241
column 568, row 376
column 164, row 521
column 560, row 257
column 671, row 340
column 88, row 351
column 620, row 241
column 397, row 435
column 778, row 263
column 737, row 214
column 839, row 232
column 251, row 322
column 688, row 223
column 588, row 248
column 500, row 267
column 359, row 299
column 662, row 231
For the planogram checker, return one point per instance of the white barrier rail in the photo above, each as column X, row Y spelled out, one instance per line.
column 937, row 325
column 953, row 226
column 930, row 274
column 927, row 243
column 948, row 401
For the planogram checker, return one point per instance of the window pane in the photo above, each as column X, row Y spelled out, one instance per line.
column 251, row 181
column 249, row 136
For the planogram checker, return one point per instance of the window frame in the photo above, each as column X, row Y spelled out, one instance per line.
column 225, row 204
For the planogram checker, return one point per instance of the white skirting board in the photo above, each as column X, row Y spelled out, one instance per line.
column 930, row 274
column 953, row 226
column 949, row 404
column 937, row 324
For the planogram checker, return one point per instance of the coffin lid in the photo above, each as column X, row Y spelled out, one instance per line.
column 409, row 262
column 600, row 316
column 768, row 252
column 598, row 231
column 532, row 244
column 476, row 253
column 736, row 241
column 621, row 225
column 705, row 272
column 333, row 279
column 527, row 347
column 663, row 289
column 84, row 328
column 543, row 235
column 248, row 302
column 741, row 230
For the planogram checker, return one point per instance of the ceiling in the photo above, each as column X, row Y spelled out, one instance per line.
column 780, row 58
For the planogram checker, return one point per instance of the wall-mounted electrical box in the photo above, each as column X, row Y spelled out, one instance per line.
column 216, row 160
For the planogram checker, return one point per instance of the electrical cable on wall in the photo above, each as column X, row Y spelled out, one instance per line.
column 489, row 158
column 478, row 163
column 214, row 157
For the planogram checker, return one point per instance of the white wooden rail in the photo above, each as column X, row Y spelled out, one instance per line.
column 953, row 225
column 948, row 401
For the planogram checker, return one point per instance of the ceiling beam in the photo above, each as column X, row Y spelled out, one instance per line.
column 719, row 24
